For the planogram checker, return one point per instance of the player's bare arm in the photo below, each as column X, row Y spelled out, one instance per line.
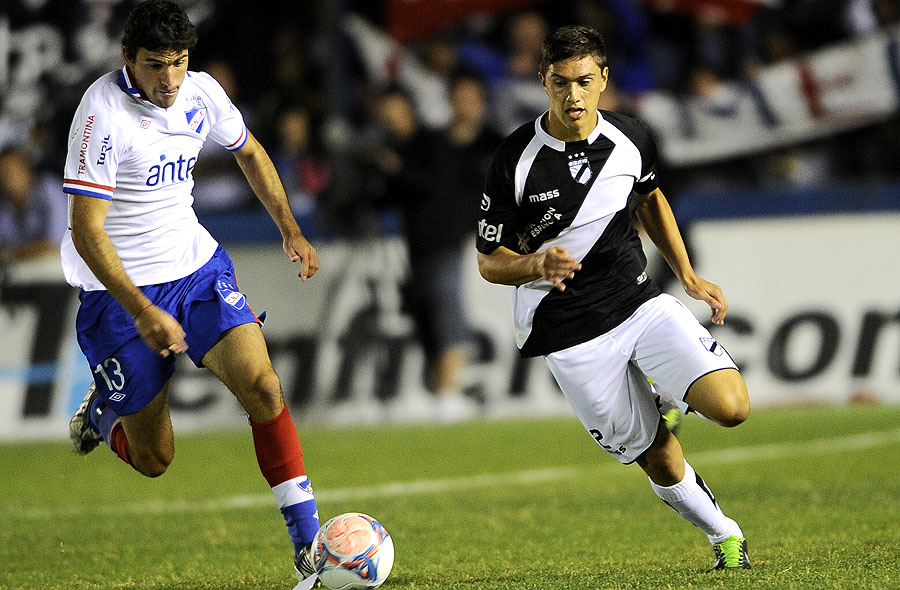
column 157, row 328
column 657, row 218
column 505, row 267
column 264, row 180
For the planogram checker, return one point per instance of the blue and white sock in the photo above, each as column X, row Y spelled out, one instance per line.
column 298, row 506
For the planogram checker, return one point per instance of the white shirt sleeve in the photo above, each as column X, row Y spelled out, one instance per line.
column 228, row 128
column 93, row 153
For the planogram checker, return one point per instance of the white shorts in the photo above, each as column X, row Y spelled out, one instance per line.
column 605, row 379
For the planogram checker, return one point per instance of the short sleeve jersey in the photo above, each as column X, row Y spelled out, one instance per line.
column 140, row 157
column 541, row 192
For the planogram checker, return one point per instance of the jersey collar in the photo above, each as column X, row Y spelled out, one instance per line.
column 128, row 86
column 558, row 144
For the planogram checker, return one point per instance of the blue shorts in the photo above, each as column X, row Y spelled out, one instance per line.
column 127, row 373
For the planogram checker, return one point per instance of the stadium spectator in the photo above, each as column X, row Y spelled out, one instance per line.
column 435, row 179
column 557, row 224
column 154, row 283
column 32, row 208
column 304, row 174
column 219, row 184
column 509, row 69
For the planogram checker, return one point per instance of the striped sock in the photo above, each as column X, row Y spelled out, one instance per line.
column 280, row 459
column 107, row 422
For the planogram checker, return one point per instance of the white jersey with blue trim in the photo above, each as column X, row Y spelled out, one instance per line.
column 140, row 157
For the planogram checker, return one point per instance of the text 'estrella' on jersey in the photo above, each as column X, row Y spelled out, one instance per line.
column 545, row 192
column 140, row 156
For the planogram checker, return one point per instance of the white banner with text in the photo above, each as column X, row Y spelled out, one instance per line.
column 814, row 317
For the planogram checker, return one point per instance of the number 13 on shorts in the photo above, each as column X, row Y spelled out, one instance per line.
column 111, row 371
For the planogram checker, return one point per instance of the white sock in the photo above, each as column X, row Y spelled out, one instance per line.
column 694, row 501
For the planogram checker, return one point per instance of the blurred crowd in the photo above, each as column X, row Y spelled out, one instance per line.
column 344, row 103
column 382, row 119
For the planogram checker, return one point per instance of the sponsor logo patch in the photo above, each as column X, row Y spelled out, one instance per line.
column 104, row 147
column 545, row 196
column 491, row 233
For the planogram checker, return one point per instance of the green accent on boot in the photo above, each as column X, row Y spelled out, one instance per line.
column 731, row 554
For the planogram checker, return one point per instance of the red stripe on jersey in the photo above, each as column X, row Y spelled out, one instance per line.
column 89, row 184
column 239, row 139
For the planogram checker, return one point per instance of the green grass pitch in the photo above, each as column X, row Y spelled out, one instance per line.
column 525, row 504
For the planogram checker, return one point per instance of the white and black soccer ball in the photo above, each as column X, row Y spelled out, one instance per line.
column 353, row 551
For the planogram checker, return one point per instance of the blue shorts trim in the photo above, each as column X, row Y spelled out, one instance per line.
column 127, row 373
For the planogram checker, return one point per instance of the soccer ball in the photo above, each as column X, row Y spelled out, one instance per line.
column 353, row 551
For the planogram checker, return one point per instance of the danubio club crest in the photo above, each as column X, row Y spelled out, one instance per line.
column 579, row 167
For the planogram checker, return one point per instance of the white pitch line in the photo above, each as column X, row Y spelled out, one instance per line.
column 865, row 440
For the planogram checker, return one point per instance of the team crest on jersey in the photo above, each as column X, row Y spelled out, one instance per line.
column 231, row 295
column 712, row 345
column 196, row 117
column 580, row 167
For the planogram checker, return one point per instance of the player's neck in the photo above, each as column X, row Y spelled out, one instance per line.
column 555, row 128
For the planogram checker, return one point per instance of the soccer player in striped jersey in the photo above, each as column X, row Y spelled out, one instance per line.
column 557, row 224
column 153, row 281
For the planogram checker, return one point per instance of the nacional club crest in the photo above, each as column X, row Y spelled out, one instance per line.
column 580, row 167
column 230, row 294
column 196, row 117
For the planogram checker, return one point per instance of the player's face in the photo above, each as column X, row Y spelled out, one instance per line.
column 574, row 87
column 159, row 74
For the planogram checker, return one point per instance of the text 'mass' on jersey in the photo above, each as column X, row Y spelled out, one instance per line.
column 541, row 192
column 140, row 157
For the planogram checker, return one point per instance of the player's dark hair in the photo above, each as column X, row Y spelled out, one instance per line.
column 158, row 25
column 572, row 41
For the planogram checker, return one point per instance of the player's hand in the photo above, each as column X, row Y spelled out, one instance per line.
column 556, row 265
column 160, row 331
column 702, row 290
column 298, row 248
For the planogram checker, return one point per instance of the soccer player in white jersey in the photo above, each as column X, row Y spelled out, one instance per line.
column 153, row 282
column 557, row 224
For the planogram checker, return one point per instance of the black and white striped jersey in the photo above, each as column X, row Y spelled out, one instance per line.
column 541, row 192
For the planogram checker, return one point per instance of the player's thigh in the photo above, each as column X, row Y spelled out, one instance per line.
column 611, row 398
column 676, row 351
column 241, row 361
column 127, row 374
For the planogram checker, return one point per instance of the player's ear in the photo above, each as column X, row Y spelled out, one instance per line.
column 604, row 78
column 125, row 55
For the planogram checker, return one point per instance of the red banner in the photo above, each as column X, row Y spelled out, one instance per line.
column 409, row 20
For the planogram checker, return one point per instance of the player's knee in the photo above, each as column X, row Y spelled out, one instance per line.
column 264, row 400
column 735, row 410
column 152, row 463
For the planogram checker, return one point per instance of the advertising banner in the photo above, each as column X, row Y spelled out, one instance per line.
column 814, row 304
column 814, row 318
